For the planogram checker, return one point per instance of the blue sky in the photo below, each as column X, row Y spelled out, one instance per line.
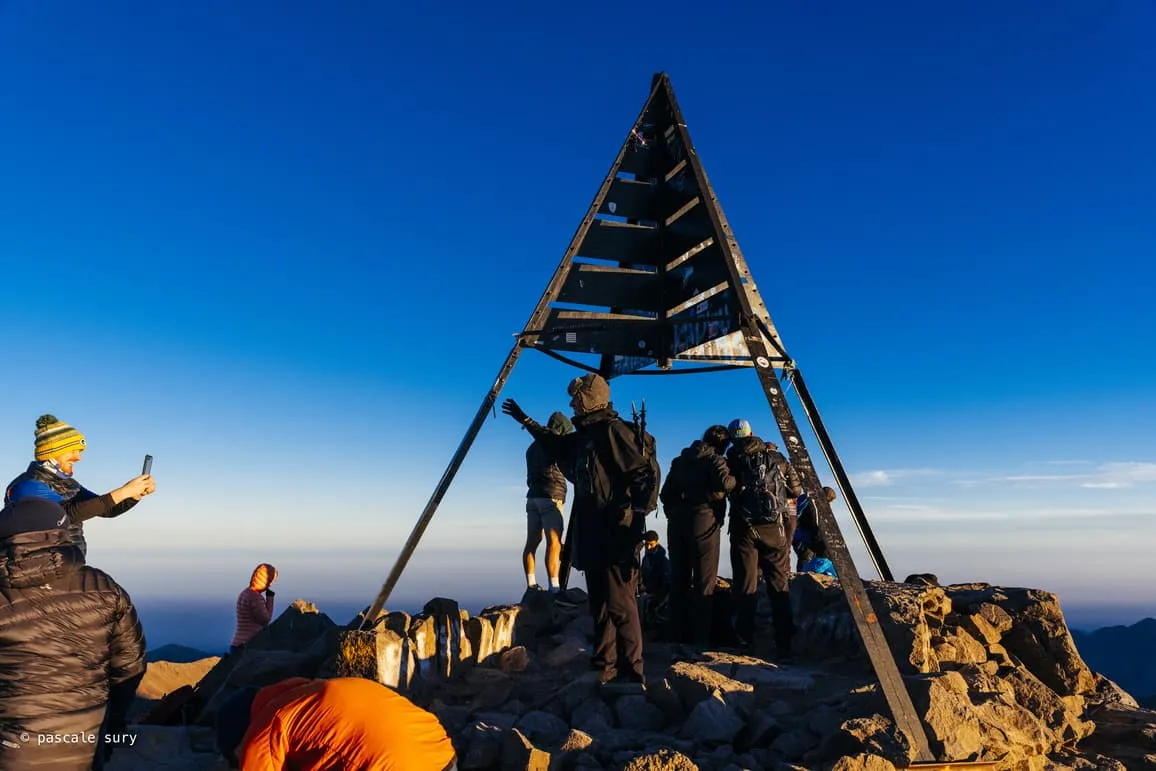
column 284, row 248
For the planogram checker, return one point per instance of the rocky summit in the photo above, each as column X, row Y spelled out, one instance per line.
column 993, row 672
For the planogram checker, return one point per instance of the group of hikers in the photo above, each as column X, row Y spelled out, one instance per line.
column 612, row 467
column 72, row 650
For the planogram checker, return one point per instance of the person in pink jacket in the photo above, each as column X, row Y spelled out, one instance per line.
column 254, row 606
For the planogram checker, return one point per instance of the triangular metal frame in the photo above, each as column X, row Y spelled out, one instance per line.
column 648, row 245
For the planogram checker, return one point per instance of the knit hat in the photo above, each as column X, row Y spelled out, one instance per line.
column 54, row 438
column 233, row 718
column 589, row 393
column 559, row 424
column 739, row 428
column 32, row 515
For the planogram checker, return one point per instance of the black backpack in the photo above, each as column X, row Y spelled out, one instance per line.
column 763, row 499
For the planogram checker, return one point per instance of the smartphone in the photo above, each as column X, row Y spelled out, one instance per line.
column 148, row 466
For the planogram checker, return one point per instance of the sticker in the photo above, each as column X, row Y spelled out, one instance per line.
column 774, row 391
column 613, row 207
column 571, row 337
column 763, row 362
column 793, row 439
column 641, row 344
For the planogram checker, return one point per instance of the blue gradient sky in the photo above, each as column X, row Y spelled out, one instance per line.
column 284, row 246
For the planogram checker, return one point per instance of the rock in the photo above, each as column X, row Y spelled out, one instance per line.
column 502, row 619
column 379, row 654
column 661, row 695
column 966, row 649
column 876, row 736
column 567, row 652
column 542, row 728
column 793, row 745
column 480, row 633
column 952, row 727
column 503, row 720
column 520, row 754
column 575, row 741
column 982, row 629
column 1037, row 634
column 661, row 760
column 712, row 720
column 258, row 668
column 592, row 717
column 539, row 616
column 695, row 682
column 479, row 746
column 298, row 628
column 1106, row 692
column 515, row 659
column 863, row 762
column 759, row 730
column 636, row 713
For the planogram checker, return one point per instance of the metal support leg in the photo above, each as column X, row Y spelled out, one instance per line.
column 878, row 651
column 857, row 514
column 443, row 485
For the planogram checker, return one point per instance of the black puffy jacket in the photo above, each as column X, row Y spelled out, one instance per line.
column 71, row 649
column 543, row 477
column 698, row 481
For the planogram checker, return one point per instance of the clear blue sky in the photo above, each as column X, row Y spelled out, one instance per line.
column 284, row 246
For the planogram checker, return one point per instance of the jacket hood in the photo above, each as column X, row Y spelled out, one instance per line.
column 35, row 558
column 698, row 449
column 597, row 416
column 751, row 445
column 263, row 575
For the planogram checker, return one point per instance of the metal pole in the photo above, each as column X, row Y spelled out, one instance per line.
column 440, row 491
column 857, row 513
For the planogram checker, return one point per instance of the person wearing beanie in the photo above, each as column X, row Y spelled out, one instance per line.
column 72, row 651
column 545, row 496
column 254, row 605
column 608, row 519
column 762, row 519
column 694, row 499
column 343, row 722
column 58, row 447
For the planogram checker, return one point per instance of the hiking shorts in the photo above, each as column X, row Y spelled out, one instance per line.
column 544, row 514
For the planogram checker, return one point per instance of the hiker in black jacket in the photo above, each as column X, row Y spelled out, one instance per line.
column 71, row 647
column 545, row 495
column 762, row 513
column 694, row 499
column 608, row 517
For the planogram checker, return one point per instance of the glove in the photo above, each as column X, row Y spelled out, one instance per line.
column 511, row 408
column 270, row 593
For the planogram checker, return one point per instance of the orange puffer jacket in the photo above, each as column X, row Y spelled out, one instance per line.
column 345, row 723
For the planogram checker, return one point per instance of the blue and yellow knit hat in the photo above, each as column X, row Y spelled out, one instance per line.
column 54, row 438
column 739, row 428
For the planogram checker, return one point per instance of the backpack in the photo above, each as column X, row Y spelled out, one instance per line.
column 649, row 450
column 764, row 495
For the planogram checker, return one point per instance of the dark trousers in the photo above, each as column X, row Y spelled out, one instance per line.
column 617, row 630
column 692, row 539
column 767, row 548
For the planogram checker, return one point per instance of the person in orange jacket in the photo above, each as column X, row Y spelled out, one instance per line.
column 343, row 723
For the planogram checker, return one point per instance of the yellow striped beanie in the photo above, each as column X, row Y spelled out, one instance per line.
column 54, row 438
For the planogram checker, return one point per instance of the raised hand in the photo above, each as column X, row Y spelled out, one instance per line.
column 511, row 408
